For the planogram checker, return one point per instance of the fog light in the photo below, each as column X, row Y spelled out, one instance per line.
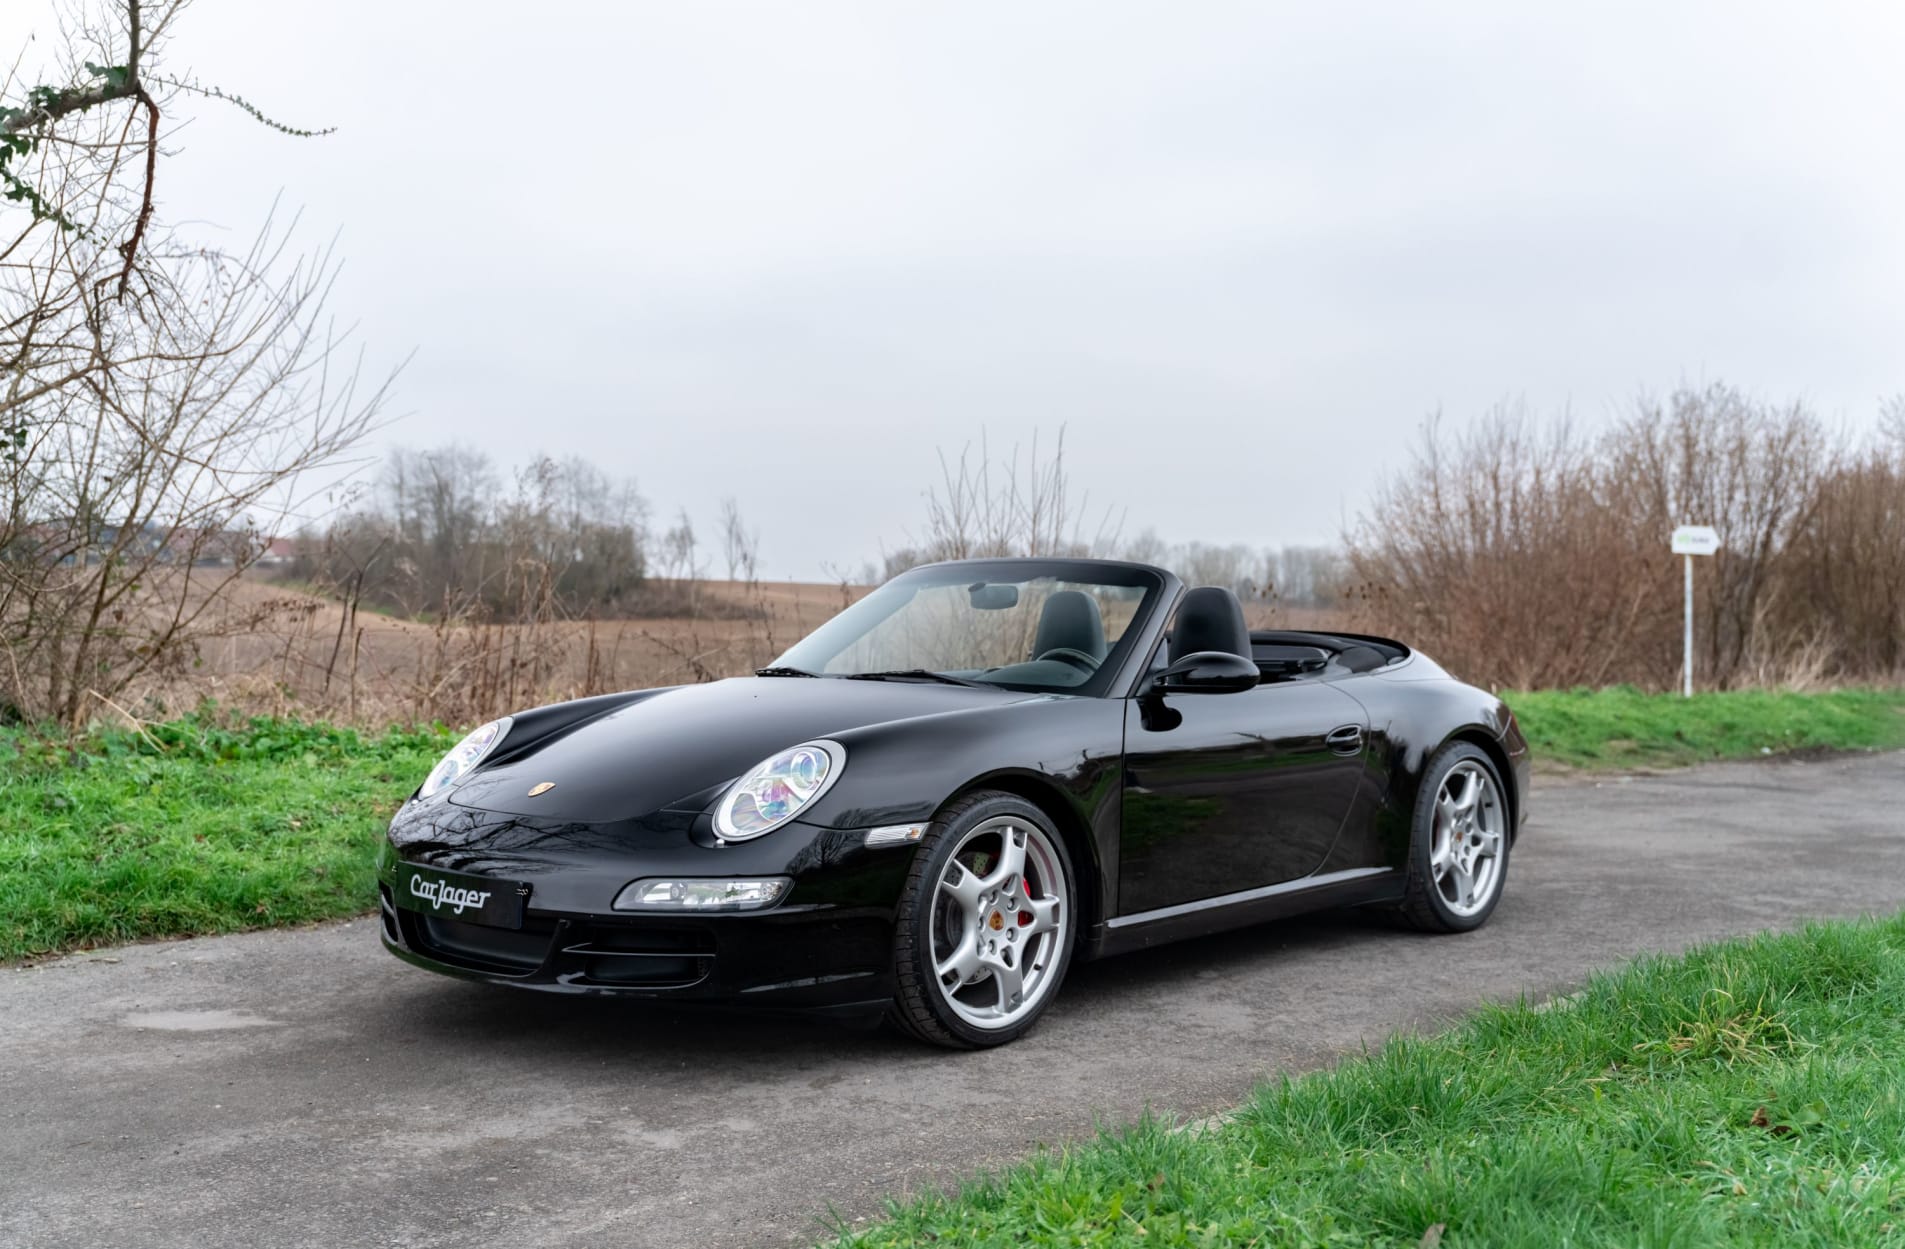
column 702, row 895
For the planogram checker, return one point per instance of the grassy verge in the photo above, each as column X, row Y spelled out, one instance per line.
column 192, row 828
column 1747, row 1094
column 1623, row 727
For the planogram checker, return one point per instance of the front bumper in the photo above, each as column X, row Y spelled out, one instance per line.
column 828, row 947
column 784, row 962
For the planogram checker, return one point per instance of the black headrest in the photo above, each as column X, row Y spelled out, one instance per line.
column 1070, row 619
column 1210, row 619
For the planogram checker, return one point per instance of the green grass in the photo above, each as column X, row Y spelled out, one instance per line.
column 1748, row 1094
column 193, row 828
column 1623, row 727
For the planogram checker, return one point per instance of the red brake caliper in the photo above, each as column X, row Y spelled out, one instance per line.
column 1025, row 915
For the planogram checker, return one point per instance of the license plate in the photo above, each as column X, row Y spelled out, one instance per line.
column 459, row 895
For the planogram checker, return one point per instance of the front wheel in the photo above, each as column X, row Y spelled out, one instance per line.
column 1458, row 855
column 985, row 926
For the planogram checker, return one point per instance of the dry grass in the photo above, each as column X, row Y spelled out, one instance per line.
column 278, row 650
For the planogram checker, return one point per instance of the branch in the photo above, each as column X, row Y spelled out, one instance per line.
column 116, row 82
column 49, row 105
column 130, row 248
column 241, row 103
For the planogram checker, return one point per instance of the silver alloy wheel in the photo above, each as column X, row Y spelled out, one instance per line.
column 1465, row 859
column 998, row 923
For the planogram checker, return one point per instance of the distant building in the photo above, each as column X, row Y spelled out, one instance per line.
column 277, row 551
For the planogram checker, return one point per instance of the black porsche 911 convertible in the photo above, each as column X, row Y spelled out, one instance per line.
column 935, row 802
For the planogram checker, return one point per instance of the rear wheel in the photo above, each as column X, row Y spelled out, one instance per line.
column 1458, row 856
column 986, row 925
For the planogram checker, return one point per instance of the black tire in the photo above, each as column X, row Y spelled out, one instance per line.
column 1423, row 904
column 920, row 1009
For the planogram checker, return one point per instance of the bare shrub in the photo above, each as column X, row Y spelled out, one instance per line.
column 1753, row 471
column 1524, row 554
column 1845, row 570
column 160, row 401
column 1892, row 423
column 1497, row 532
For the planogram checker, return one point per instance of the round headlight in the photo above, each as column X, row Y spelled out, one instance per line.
column 776, row 789
column 463, row 757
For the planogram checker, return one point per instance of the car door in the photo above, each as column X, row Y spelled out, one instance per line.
column 1228, row 792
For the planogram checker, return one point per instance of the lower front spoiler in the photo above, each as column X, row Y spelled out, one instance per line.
column 821, row 960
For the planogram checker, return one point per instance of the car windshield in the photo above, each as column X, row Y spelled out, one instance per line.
column 1024, row 625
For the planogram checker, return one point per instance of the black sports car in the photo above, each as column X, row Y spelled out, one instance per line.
column 932, row 804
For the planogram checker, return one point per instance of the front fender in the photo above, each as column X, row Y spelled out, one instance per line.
column 1062, row 752
column 905, row 771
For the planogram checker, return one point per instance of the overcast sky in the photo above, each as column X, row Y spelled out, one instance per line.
column 785, row 251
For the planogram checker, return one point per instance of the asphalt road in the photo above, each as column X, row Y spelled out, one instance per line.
column 305, row 1089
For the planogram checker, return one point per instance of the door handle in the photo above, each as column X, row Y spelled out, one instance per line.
column 1347, row 740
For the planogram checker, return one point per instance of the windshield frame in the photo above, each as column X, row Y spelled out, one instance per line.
column 1113, row 677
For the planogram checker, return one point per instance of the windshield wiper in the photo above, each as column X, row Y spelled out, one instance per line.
column 920, row 674
column 783, row 671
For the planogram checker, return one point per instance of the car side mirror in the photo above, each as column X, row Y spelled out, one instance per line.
column 1206, row 672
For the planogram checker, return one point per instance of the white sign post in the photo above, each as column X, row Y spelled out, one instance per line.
column 1691, row 540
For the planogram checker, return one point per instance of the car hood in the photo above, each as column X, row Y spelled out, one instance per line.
column 670, row 747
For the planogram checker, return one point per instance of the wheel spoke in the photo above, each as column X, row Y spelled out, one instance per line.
column 961, row 885
column 1011, row 857
column 1464, row 886
column 1044, row 916
column 964, row 959
column 1010, row 979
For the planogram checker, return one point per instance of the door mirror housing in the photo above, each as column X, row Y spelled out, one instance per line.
column 1206, row 672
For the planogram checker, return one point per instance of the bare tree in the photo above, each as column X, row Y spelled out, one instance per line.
column 1206, row 563
column 893, row 563
column 560, row 540
column 1014, row 506
column 679, row 556
column 739, row 544
column 161, row 402
column 1892, row 422
column 1147, row 548
column 1305, row 576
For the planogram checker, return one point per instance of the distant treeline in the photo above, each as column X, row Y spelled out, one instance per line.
column 1516, row 548
column 443, row 534
column 1024, row 503
column 1290, row 576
